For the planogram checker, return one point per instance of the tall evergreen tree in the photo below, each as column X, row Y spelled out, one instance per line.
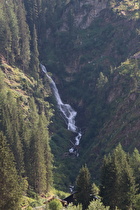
column 24, row 33
column 38, row 167
column 5, row 33
column 40, row 158
column 11, row 127
column 47, row 150
column 117, row 181
column 135, row 164
column 83, row 187
column 14, row 28
column 108, row 184
column 10, row 189
column 97, row 205
column 34, row 64
column 10, row 124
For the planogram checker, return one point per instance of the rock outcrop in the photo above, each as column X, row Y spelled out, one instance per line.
column 83, row 13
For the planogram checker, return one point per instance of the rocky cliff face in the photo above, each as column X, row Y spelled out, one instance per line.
column 82, row 12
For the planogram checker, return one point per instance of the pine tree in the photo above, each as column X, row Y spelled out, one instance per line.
column 83, row 187
column 10, row 189
column 117, row 181
column 34, row 63
column 10, row 125
column 24, row 33
column 135, row 164
column 14, row 29
column 97, row 205
column 40, row 157
column 47, row 150
column 5, row 32
column 108, row 184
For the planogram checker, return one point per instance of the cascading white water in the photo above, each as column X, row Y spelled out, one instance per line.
column 67, row 111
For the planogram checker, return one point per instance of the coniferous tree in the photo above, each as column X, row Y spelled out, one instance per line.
column 117, row 181
column 135, row 164
column 5, row 32
column 95, row 190
column 30, row 165
column 97, row 205
column 10, row 189
column 83, row 187
column 108, row 184
column 38, row 161
column 47, row 150
column 24, row 33
column 40, row 158
column 34, row 55
column 11, row 128
column 14, row 28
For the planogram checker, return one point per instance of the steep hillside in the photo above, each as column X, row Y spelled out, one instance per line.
column 25, row 117
column 92, row 51
column 88, row 50
column 122, row 126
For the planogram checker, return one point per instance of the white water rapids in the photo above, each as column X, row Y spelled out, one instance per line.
column 67, row 111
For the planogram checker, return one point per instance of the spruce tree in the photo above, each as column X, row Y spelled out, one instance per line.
column 10, row 125
column 24, row 34
column 40, row 157
column 10, row 189
column 47, row 150
column 34, row 63
column 97, row 205
column 135, row 164
column 117, row 180
column 108, row 184
column 83, row 187
column 14, row 29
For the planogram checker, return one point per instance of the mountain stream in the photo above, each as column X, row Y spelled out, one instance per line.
column 68, row 112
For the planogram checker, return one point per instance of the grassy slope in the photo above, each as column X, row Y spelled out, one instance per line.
column 23, row 87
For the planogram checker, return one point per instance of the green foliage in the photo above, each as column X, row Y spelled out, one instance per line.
column 135, row 164
column 34, row 63
column 39, row 153
column 97, row 205
column 11, row 191
column 129, row 8
column 95, row 190
column 117, row 181
column 61, row 194
column 24, row 58
column 102, row 80
column 55, row 205
column 11, row 125
column 81, row 60
column 72, row 207
column 83, row 187
column 35, row 204
column 14, row 33
column 137, row 202
column 29, row 208
column 27, row 133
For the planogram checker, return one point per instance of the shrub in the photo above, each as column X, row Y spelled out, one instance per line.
column 55, row 205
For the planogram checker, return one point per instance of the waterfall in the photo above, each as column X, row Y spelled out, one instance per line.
column 68, row 112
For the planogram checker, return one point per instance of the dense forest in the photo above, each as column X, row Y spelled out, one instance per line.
column 91, row 49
